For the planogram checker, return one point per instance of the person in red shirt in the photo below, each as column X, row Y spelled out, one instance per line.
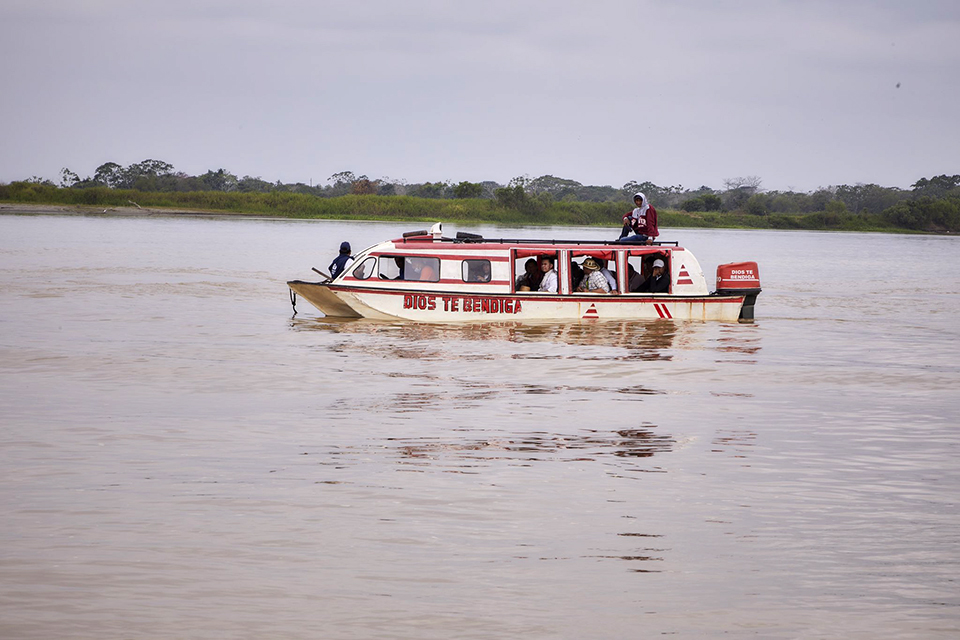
column 641, row 222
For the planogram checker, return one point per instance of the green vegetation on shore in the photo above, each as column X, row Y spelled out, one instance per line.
column 409, row 208
column 932, row 205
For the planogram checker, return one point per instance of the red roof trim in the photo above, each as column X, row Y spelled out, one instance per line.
column 443, row 247
column 446, row 256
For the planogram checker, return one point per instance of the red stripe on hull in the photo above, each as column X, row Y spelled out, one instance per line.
column 708, row 299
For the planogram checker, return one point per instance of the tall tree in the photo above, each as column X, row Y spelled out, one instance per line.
column 110, row 174
column 68, row 178
column 468, row 190
column 219, row 180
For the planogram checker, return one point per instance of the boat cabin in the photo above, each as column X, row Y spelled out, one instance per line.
column 496, row 266
column 424, row 276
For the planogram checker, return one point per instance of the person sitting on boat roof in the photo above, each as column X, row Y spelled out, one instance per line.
column 549, row 281
column 659, row 281
column 340, row 263
column 530, row 279
column 642, row 222
column 593, row 281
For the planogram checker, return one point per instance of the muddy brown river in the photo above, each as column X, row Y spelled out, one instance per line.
column 183, row 458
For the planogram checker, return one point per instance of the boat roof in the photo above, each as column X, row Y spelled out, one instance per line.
column 463, row 238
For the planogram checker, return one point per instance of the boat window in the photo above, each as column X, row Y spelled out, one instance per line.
column 526, row 274
column 642, row 266
column 577, row 274
column 531, row 280
column 427, row 269
column 410, row 268
column 476, row 270
column 365, row 269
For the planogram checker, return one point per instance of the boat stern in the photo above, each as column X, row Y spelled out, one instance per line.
column 740, row 279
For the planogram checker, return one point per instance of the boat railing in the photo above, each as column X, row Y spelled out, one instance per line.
column 473, row 238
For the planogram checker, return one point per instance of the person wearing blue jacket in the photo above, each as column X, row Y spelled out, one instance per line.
column 340, row 262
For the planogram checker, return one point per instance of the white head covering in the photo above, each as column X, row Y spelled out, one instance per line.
column 641, row 211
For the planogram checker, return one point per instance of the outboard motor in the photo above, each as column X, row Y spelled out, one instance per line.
column 740, row 279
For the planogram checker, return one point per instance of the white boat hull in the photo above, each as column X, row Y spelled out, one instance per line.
column 437, row 306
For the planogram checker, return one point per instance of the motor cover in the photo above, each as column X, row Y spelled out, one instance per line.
column 738, row 276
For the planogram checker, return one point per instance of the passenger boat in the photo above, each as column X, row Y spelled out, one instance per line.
column 426, row 277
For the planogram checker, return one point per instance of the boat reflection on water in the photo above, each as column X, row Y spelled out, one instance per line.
column 587, row 446
column 739, row 347
column 623, row 455
column 532, row 402
column 643, row 339
column 737, row 443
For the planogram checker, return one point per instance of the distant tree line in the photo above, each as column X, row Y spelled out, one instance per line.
column 931, row 204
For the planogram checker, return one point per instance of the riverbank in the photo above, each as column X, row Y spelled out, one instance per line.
column 668, row 218
column 15, row 208
column 913, row 215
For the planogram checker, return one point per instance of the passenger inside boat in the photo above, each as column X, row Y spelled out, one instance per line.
column 409, row 268
column 530, row 279
column 427, row 274
column 640, row 269
column 610, row 276
column 423, row 269
column 659, row 280
column 593, row 280
column 549, row 282
column 634, row 279
column 576, row 273
column 476, row 270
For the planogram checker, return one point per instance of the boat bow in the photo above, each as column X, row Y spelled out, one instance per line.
column 323, row 298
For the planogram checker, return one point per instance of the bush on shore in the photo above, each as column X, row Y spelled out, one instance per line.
column 509, row 207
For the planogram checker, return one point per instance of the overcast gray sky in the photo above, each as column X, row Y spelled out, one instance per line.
column 802, row 94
